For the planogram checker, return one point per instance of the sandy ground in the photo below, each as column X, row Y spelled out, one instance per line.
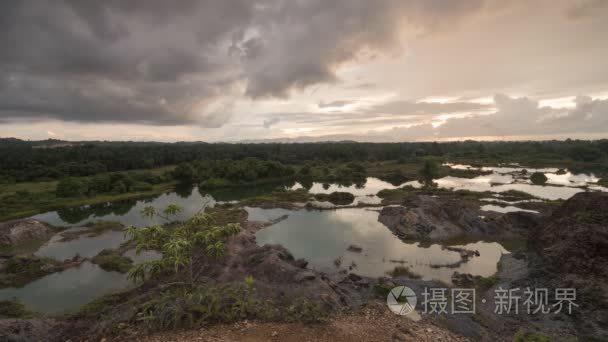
column 368, row 325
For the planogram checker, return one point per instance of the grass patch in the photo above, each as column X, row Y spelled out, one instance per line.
column 20, row 270
column 226, row 213
column 284, row 198
column 336, row 197
column 397, row 196
column 215, row 303
column 93, row 229
column 112, row 260
column 22, row 204
column 14, row 309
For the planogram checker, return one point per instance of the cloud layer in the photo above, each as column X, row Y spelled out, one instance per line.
column 159, row 62
column 272, row 68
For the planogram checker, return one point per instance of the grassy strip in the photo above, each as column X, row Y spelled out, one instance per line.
column 38, row 202
column 93, row 229
column 111, row 260
column 14, row 309
column 20, row 270
column 278, row 199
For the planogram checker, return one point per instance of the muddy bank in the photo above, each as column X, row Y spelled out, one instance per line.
column 22, row 231
column 424, row 217
column 575, row 238
column 567, row 251
column 18, row 270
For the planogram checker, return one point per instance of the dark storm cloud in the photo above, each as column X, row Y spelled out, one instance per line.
column 300, row 43
column 164, row 62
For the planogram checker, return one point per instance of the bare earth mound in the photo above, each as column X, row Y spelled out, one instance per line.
column 575, row 238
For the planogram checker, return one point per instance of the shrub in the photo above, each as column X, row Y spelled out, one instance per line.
column 198, row 237
column 71, row 187
column 538, row 178
column 14, row 309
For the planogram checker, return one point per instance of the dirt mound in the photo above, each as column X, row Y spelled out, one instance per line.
column 277, row 272
column 575, row 237
column 29, row 330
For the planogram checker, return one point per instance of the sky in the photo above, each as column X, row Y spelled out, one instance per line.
column 303, row 70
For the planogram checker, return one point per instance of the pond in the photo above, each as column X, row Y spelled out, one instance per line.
column 190, row 199
column 83, row 246
column 364, row 193
column 67, row 290
column 505, row 178
column 323, row 239
column 129, row 212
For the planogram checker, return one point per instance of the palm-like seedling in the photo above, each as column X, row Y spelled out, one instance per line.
column 179, row 244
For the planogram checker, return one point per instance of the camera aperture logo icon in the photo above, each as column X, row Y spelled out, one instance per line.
column 401, row 300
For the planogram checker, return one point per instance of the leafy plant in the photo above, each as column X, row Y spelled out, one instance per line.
column 181, row 244
column 170, row 210
column 429, row 171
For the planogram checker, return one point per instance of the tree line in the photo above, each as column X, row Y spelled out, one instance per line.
column 51, row 159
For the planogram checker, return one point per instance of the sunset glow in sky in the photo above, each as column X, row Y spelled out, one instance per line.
column 249, row 70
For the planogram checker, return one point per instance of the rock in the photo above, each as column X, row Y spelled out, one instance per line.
column 354, row 277
column 301, row 263
column 433, row 218
column 274, row 334
column 304, row 276
column 24, row 230
column 354, row 249
column 464, row 280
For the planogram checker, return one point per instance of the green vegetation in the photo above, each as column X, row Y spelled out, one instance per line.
column 92, row 229
column 14, row 309
column 183, row 306
column 209, row 303
column 182, row 245
column 336, row 197
column 22, row 269
column 26, row 203
column 98, row 172
column 429, row 171
column 71, row 187
column 279, row 199
column 221, row 173
column 538, row 178
column 112, row 260
column 24, row 161
column 114, row 183
column 397, row 196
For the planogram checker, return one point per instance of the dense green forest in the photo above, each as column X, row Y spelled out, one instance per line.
column 23, row 161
